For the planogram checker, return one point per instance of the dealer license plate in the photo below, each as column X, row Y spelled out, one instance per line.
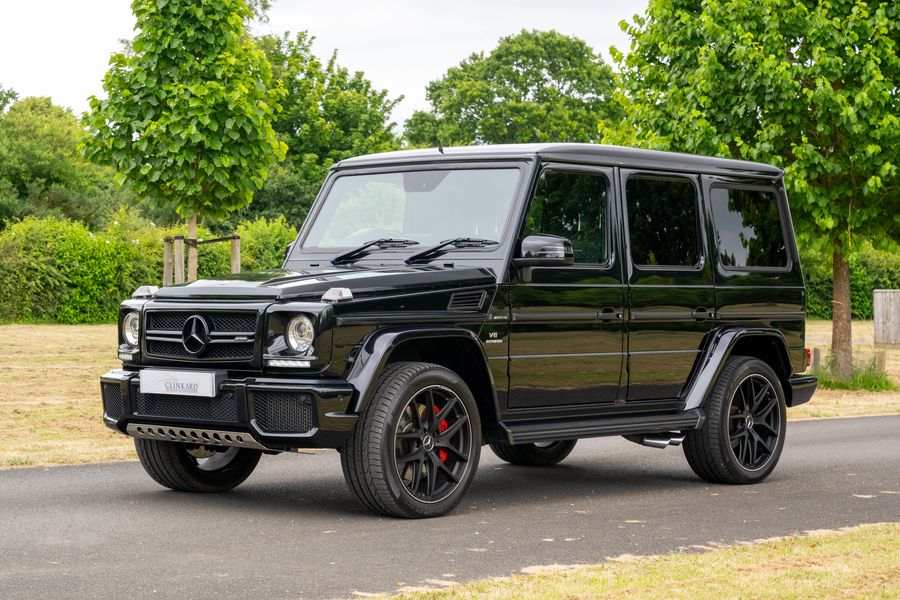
column 181, row 383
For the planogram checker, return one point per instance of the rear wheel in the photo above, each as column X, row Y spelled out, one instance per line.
column 194, row 468
column 415, row 448
column 534, row 455
column 743, row 436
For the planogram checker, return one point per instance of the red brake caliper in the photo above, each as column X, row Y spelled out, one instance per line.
column 442, row 427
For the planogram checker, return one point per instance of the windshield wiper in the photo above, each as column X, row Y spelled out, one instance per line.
column 460, row 242
column 381, row 243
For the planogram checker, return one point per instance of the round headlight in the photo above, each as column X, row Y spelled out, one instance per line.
column 300, row 334
column 131, row 328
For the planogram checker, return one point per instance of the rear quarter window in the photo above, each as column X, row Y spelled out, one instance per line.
column 749, row 229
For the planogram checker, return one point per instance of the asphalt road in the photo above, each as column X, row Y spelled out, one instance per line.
column 293, row 530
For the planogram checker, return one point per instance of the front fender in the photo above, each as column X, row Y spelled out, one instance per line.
column 719, row 345
column 375, row 352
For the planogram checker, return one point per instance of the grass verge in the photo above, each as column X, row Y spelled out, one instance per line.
column 857, row 562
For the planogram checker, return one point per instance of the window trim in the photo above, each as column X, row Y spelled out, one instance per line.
column 596, row 171
column 700, row 264
column 775, row 191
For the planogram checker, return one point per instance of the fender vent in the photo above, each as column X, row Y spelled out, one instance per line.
column 469, row 301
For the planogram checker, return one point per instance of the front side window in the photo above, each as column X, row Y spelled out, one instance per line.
column 662, row 222
column 427, row 206
column 748, row 228
column 572, row 204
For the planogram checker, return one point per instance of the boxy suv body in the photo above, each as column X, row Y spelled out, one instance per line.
column 520, row 296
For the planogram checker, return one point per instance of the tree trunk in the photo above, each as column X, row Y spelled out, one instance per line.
column 841, row 331
column 192, row 249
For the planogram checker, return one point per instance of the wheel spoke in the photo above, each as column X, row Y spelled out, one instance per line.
column 448, row 472
column 431, row 480
column 412, row 456
column 415, row 417
column 763, row 443
column 442, row 414
column 452, row 429
column 416, row 478
column 409, row 435
column 766, row 410
column 446, row 445
column 430, row 424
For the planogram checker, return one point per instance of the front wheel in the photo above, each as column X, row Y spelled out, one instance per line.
column 742, row 438
column 415, row 448
column 534, row 455
column 194, row 468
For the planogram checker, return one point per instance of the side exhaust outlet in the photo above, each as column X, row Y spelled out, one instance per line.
column 657, row 440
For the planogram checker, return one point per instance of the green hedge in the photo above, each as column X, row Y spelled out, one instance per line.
column 870, row 269
column 59, row 271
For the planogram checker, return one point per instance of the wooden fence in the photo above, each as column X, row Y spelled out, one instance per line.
column 173, row 255
column 886, row 310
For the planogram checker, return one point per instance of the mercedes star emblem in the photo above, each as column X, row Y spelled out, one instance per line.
column 195, row 335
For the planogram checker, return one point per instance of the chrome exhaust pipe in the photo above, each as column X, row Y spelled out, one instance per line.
column 657, row 440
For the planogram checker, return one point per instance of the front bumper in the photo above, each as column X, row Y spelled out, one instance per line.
column 276, row 413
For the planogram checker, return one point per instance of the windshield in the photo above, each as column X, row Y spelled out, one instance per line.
column 428, row 207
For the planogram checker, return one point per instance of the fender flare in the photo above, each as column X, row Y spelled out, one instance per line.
column 377, row 348
column 717, row 349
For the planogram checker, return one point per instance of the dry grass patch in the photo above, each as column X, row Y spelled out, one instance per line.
column 858, row 562
column 50, row 409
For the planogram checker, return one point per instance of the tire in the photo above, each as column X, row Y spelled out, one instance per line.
column 737, row 445
column 401, row 461
column 191, row 468
column 534, row 455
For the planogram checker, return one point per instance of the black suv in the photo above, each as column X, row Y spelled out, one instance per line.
column 518, row 296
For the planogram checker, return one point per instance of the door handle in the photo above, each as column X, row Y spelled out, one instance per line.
column 701, row 314
column 609, row 314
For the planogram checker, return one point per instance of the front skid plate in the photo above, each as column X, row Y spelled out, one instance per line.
column 205, row 437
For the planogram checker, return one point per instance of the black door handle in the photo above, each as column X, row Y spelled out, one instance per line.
column 701, row 314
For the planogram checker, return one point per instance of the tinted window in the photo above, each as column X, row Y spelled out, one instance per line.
column 748, row 228
column 662, row 219
column 572, row 205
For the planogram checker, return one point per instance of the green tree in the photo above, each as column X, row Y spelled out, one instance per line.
column 537, row 86
column 188, row 118
column 41, row 170
column 808, row 85
column 328, row 114
column 7, row 97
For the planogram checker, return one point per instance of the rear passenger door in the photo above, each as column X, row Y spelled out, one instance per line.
column 671, row 296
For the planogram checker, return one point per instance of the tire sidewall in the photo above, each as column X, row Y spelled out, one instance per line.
column 734, row 467
column 437, row 376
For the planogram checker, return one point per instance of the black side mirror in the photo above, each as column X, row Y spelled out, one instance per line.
column 544, row 250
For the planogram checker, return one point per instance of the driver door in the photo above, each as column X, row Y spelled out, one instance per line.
column 567, row 327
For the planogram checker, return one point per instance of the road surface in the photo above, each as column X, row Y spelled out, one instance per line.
column 293, row 530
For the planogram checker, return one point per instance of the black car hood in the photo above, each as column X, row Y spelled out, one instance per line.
column 310, row 284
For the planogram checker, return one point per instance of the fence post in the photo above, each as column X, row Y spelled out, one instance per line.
column 178, row 244
column 167, row 261
column 886, row 311
column 816, row 358
column 236, row 254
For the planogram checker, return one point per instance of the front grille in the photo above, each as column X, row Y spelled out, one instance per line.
column 283, row 412
column 243, row 322
column 222, row 408
column 220, row 351
column 113, row 402
column 231, row 335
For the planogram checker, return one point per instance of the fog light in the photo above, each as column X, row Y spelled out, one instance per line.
column 288, row 363
column 126, row 356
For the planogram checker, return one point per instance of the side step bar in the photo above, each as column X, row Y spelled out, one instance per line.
column 631, row 425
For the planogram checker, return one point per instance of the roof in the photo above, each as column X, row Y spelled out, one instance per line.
column 582, row 153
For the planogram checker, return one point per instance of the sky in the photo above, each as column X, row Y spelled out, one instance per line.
column 61, row 48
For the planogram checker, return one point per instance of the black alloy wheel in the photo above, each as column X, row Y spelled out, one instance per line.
column 743, row 435
column 433, row 443
column 754, row 422
column 415, row 448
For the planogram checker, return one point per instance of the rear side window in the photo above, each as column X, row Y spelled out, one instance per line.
column 748, row 228
column 662, row 222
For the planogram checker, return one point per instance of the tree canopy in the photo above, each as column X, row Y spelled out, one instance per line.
column 188, row 118
column 808, row 85
column 328, row 114
column 536, row 86
column 41, row 170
